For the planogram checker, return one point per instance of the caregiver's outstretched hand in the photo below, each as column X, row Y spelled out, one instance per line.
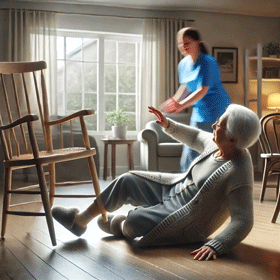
column 162, row 120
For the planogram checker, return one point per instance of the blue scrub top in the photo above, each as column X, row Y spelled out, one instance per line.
column 204, row 72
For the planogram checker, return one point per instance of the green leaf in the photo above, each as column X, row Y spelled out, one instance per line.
column 118, row 118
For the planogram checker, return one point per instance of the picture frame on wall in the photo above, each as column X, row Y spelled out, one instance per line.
column 227, row 59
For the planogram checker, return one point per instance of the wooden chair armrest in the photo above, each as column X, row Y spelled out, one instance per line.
column 86, row 112
column 25, row 119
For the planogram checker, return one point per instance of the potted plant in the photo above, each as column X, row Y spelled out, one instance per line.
column 119, row 122
column 273, row 49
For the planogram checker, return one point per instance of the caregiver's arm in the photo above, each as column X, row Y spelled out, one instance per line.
column 194, row 96
column 173, row 106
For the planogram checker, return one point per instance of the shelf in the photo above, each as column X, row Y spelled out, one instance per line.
column 271, row 79
column 266, row 80
column 266, row 62
column 258, row 86
column 265, row 59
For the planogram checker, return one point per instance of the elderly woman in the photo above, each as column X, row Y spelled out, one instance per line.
column 185, row 207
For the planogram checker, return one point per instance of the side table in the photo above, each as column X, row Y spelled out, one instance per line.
column 113, row 143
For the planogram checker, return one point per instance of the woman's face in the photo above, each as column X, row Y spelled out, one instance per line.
column 187, row 45
column 219, row 133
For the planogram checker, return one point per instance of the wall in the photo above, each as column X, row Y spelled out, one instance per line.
column 220, row 30
column 223, row 30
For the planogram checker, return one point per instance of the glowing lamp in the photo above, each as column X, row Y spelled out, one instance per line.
column 273, row 101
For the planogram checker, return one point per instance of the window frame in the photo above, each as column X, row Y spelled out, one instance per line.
column 101, row 37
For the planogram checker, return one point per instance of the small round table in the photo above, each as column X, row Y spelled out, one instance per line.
column 113, row 143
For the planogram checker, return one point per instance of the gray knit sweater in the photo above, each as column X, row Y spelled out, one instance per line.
column 227, row 192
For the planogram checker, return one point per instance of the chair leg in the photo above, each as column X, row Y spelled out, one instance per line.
column 6, row 199
column 264, row 180
column 94, row 177
column 277, row 187
column 46, row 202
column 52, row 182
column 277, row 210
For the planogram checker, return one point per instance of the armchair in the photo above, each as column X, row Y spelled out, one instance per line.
column 159, row 151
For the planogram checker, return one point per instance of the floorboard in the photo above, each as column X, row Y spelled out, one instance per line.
column 30, row 261
column 11, row 267
column 27, row 253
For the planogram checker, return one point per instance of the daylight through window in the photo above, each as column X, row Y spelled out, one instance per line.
column 99, row 71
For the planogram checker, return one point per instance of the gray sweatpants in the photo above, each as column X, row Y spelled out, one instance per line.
column 154, row 202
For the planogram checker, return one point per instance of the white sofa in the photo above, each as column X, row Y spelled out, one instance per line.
column 159, row 151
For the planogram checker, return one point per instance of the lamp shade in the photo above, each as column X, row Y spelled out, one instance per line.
column 273, row 101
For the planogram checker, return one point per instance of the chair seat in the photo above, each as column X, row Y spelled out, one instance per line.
column 45, row 157
column 170, row 149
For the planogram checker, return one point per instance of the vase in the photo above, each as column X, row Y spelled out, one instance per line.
column 119, row 132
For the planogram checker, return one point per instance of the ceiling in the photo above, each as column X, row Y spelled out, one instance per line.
column 270, row 8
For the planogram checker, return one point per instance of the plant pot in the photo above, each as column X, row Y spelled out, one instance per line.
column 119, row 132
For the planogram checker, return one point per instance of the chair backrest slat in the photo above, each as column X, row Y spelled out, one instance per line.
column 8, row 108
column 39, row 104
column 270, row 133
column 26, row 94
column 71, row 133
column 48, row 138
column 19, row 112
column 16, row 96
column 275, row 136
column 9, row 142
column 61, row 136
column 3, row 140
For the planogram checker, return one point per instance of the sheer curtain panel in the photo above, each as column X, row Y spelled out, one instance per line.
column 159, row 63
column 32, row 37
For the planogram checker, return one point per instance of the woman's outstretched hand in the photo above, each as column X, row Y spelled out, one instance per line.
column 204, row 253
column 162, row 120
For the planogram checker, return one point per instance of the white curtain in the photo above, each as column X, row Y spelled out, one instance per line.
column 159, row 63
column 32, row 37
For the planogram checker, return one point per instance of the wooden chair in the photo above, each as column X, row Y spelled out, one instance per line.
column 269, row 141
column 23, row 101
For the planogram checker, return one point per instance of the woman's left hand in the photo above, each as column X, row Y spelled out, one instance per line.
column 204, row 253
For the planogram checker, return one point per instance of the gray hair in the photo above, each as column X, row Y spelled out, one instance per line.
column 243, row 124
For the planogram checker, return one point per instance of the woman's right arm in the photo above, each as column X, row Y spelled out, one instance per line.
column 195, row 138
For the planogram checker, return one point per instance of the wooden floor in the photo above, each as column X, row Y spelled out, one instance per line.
column 27, row 253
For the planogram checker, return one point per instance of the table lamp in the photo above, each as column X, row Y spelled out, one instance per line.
column 273, row 101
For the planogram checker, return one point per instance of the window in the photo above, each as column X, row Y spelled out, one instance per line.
column 98, row 71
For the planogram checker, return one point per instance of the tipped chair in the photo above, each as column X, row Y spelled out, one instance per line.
column 269, row 141
column 25, row 116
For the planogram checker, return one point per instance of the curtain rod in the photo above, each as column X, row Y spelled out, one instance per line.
column 98, row 15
